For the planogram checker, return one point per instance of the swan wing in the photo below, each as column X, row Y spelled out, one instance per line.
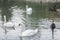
column 29, row 32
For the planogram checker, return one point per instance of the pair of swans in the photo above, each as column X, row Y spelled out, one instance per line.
column 27, row 32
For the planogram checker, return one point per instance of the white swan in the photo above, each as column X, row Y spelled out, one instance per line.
column 8, row 24
column 28, row 10
column 29, row 32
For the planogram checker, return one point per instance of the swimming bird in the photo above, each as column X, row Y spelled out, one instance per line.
column 8, row 24
column 29, row 32
column 28, row 10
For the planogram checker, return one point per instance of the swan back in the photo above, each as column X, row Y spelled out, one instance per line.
column 36, row 30
column 30, row 32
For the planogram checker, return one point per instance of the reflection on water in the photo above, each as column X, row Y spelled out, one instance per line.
column 16, row 15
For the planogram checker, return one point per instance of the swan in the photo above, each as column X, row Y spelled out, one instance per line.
column 29, row 32
column 28, row 10
column 8, row 24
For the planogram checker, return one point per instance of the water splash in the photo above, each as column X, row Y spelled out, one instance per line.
column 17, row 17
